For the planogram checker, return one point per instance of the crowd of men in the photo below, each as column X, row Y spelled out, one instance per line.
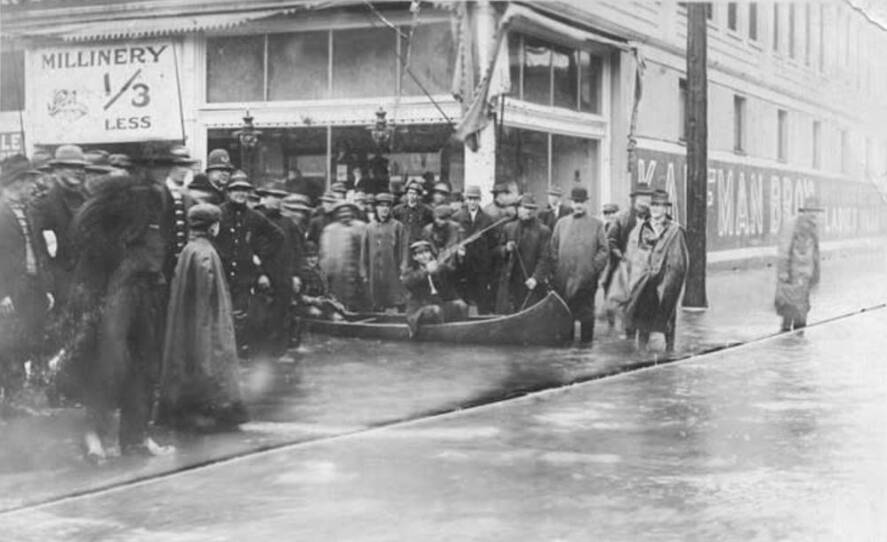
column 75, row 225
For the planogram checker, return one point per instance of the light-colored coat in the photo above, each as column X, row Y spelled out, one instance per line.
column 382, row 258
column 797, row 267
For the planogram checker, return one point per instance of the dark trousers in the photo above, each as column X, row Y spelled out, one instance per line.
column 581, row 304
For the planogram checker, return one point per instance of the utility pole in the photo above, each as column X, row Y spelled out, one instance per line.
column 697, row 154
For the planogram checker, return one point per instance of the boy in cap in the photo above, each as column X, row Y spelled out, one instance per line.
column 200, row 387
column 431, row 285
column 526, row 256
column 413, row 214
column 383, row 255
column 579, row 251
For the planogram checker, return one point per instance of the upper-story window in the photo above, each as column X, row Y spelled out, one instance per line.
column 776, row 27
column 554, row 75
column 732, row 16
column 12, row 80
column 792, row 32
column 782, row 135
column 739, row 123
column 753, row 21
column 296, row 65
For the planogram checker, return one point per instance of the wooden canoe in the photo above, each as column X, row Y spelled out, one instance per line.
column 548, row 322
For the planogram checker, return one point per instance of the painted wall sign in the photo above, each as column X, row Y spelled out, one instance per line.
column 748, row 205
column 10, row 143
column 104, row 94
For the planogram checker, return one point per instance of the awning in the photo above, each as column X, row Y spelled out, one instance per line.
column 162, row 26
column 518, row 17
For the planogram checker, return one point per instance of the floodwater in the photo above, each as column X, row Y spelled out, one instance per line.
column 782, row 439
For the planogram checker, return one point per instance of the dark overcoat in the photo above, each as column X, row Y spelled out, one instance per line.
column 532, row 259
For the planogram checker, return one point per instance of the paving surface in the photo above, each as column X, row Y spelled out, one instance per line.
column 337, row 386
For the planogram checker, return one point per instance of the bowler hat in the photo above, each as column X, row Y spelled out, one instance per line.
column 641, row 190
column 578, row 194
column 68, row 155
column 384, row 198
column 203, row 215
column 178, row 156
column 660, row 197
column 811, row 205
column 443, row 211
column 201, row 182
column 443, row 188
column 218, row 159
column 13, row 168
column 472, row 191
column 528, row 201
column 274, row 189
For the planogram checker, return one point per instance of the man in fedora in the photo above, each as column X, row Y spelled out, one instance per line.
column 24, row 281
column 53, row 215
column 657, row 262
column 340, row 248
column 556, row 209
column 526, row 255
column 247, row 244
column 797, row 265
column 218, row 171
column 413, row 214
column 383, row 255
column 440, row 194
column 579, row 250
column 496, row 209
column 475, row 273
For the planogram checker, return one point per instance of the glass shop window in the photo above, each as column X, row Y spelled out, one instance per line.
column 432, row 57
column 537, row 71
column 364, row 62
column 235, row 69
column 591, row 71
column 565, row 77
column 298, row 66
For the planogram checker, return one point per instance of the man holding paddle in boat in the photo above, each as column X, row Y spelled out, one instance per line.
column 526, row 257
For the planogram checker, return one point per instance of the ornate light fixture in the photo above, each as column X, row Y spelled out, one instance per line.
column 382, row 131
column 248, row 138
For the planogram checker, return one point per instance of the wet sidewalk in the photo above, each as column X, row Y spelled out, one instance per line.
column 338, row 386
column 782, row 439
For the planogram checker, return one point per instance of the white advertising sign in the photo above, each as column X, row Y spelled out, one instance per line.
column 104, row 93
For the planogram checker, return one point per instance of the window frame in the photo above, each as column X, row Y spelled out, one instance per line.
column 753, row 23
column 782, row 130
column 816, row 141
column 740, row 118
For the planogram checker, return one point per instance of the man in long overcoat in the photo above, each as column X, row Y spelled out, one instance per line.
column 556, row 209
column 579, row 250
column 797, row 265
column 657, row 257
column 476, row 270
column 383, row 256
column 340, row 251
column 526, row 255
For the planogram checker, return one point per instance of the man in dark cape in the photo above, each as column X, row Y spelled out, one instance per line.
column 199, row 381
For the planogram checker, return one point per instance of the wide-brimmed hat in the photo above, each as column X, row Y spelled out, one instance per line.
column 443, row 211
column 472, row 191
column 13, row 168
column 97, row 161
column 660, row 197
column 178, row 156
column 68, row 155
column 579, row 194
column 811, row 205
column 297, row 202
column 421, row 244
column 443, row 188
column 528, row 201
column 219, row 159
column 203, row 215
column 274, row 189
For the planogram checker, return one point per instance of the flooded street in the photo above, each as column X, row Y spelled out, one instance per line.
column 782, row 439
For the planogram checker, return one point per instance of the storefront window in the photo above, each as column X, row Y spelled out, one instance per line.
column 591, row 70
column 523, row 158
column 298, row 66
column 432, row 58
column 12, row 81
column 537, row 72
column 565, row 74
column 364, row 62
column 235, row 69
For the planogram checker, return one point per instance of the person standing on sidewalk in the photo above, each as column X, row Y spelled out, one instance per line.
column 658, row 259
column 383, row 255
column 579, row 252
column 797, row 265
